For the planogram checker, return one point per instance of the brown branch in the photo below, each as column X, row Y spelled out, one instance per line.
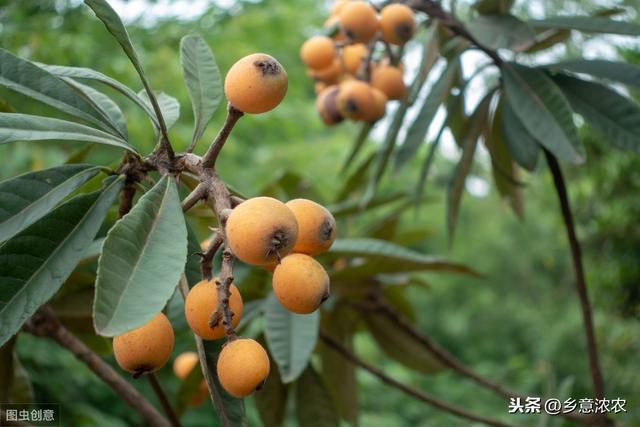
column 449, row 360
column 206, row 258
column 413, row 392
column 45, row 324
column 198, row 193
column 210, row 157
column 223, row 284
column 162, row 397
column 581, row 285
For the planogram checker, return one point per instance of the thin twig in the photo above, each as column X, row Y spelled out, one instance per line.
column 162, row 397
column 45, row 324
column 581, row 285
column 206, row 257
column 413, row 392
column 194, row 197
column 210, row 157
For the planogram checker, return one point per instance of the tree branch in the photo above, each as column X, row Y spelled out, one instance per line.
column 447, row 407
column 45, row 324
column 581, row 285
column 210, row 157
column 162, row 397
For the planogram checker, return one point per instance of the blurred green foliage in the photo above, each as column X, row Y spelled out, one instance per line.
column 521, row 325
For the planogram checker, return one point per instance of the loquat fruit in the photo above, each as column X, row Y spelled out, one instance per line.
column 243, row 366
column 355, row 99
column 330, row 74
column 353, row 56
column 327, row 107
column 397, row 23
column 389, row 80
column 261, row 230
column 147, row 348
column 337, row 7
column 358, row 21
column 182, row 367
column 256, row 83
column 379, row 105
column 318, row 52
column 300, row 283
column 202, row 302
column 316, row 226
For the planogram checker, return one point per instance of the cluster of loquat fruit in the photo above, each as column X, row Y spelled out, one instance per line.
column 261, row 231
column 351, row 82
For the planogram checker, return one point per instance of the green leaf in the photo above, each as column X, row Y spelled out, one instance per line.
column 385, row 257
column 418, row 130
column 522, row 146
column 622, row 72
column 202, row 77
column 114, row 25
column 105, row 105
column 543, row 110
column 169, row 106
column 21, row 389
column 488, row 7
column 24, row 127
column 456, row 186
column 291, row 338
column 271, row 399
column 503, row 168
column 35, row 262
column 28, row 79
column 400, row 345
column 548, row 38
column 142, row 260
column 89, row 74
column 80, row 155
column 314, row 407
column 356, row 179
column 357, row 144
column 230, row 410
column 588, row 24
column 501, row 31
column 616, row 116
column 27, row 198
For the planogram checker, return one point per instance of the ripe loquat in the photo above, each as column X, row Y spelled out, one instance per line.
column 328, row 109
column 300, row 283
column 355, row 99
column 182, row 367
column 358, row 21
column 260, row 230
column 202, row 302
column 353, row 57
column 243, row 366
column 147, row 348
column 389, row 80
column 330, row 74
column 256, row 83
column 397, row 23
column 318, row 52
column 379, row 105
column 316, row 226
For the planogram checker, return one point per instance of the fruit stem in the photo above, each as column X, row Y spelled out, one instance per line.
column 210, row 157
column 164, row 401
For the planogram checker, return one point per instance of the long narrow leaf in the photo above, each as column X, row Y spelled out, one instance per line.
column 35, row 262
column 28, row 79
column 589, row 24
column 622, row 72
column 27, row 198
column 522, row 146
column 142, row 260
column 202, row 77
column 169, row 106
column 24, row 127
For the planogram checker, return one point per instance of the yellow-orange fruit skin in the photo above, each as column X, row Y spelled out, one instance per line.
column 243, row 366
column 379, row 105
column 358, row 21
column 300, row 283
column 261, row 229
column 389, row 80
column 355, row 99
column 337, row 7
column 353, row 56
column 318, row 52
column 327, row 107
column 330, row 74
column 397, row 23
column 256, row 83
column 202, row 301
column 316, row 226
column 182, row 367
column 147, row 348
column 334, row 21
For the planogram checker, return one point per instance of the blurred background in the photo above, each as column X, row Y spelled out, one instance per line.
column 520, row 325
